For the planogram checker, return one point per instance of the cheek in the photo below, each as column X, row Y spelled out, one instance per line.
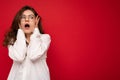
column 22, row 24
column 32, row 24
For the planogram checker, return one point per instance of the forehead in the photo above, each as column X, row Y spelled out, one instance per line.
column 27, row 12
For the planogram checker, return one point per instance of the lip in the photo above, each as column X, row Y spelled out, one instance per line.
column 27, row 26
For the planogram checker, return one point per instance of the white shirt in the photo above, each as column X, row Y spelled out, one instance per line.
column 29, row 62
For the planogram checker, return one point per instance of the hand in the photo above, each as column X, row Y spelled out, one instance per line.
column 20, row 26
column 37, row 21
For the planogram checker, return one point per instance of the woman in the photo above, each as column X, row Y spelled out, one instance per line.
column 27, row 45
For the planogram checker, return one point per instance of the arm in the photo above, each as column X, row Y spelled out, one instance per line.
column 39, row 44
column 18, row 50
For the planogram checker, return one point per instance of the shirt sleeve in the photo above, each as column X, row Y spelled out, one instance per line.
column 39, row 44
column 17, row 51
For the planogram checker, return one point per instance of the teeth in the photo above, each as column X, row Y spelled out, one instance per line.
column 27, row 25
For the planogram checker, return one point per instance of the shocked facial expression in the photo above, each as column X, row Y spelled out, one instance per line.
column 28, row 21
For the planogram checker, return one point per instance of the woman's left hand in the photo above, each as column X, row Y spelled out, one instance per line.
column 37, row 21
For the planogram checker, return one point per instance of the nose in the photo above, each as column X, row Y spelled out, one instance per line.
column 26, row 19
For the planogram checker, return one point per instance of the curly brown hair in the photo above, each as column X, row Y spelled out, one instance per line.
column 10, row 36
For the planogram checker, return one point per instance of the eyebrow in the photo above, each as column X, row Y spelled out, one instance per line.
column 28, row 15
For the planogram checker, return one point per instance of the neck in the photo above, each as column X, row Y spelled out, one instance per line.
column 28, row 38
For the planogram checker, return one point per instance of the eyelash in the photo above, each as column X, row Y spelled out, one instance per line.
column 30, row 17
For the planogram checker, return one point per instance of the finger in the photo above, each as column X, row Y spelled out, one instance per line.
column 19, row 26
column 37, row 20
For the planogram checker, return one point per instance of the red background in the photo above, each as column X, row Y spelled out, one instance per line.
column 85, row 37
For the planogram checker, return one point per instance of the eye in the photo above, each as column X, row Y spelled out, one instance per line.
column 31, row 17
column 23, row 17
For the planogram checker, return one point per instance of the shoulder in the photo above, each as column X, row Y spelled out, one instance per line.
column 45, row 37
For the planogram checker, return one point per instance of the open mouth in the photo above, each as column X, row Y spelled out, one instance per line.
column 27, row 25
